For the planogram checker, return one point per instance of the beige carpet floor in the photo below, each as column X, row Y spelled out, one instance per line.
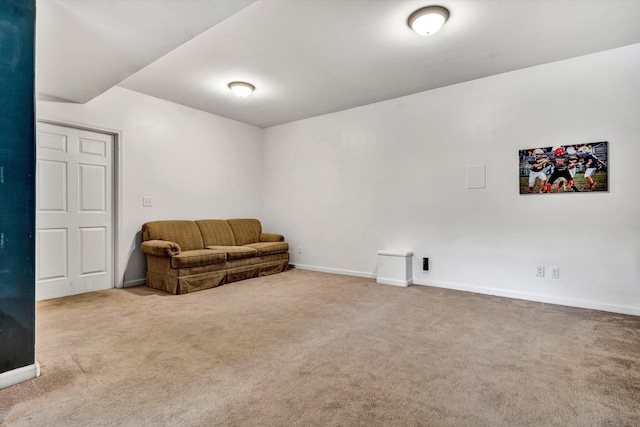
column 303, row 348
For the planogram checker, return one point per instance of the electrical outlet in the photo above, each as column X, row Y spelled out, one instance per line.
column 540, row 271
column 147, row 202
column 425, row 264
column 555, row 272
column 300, row 249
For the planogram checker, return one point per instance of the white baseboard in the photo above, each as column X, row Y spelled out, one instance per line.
column 334, row 271
column 403, row 283
column 15, row 376
column 136, row 282
column 634, row 311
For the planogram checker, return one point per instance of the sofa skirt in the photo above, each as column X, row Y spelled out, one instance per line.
column 182, row 285
column 161, row 276
column 273, row 267
column 242, row 273
column 199, row 282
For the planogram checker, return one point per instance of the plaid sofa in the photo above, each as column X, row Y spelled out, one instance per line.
column 187, row 256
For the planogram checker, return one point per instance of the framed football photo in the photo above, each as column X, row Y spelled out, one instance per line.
column 574, row 168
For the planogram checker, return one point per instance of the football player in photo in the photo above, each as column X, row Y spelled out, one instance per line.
column 572, row 167
column 560, row 161
column 590, row 164
column 537, row 164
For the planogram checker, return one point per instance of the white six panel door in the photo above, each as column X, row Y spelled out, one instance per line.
column 74, row 204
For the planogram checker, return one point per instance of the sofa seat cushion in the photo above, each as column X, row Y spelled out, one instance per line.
column 236, row 252
column 198, row 257
column 268, row 248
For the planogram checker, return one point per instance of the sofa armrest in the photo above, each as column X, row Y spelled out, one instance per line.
column 270, row 237
column 161, row 248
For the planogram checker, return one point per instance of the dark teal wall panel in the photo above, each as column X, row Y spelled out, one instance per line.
column 17, row 184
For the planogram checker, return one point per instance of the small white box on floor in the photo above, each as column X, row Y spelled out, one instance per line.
column 395, row 267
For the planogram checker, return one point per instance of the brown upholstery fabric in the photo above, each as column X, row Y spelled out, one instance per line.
column 201, row 281
column 163, row 265
column 271, row 237
column 236, row 249
column 268, row 248
column 162, row 281
column 236, row 252
column 199, row 269
column 216, row 232
column 185, row 233
column 160, row 248
column 245, row 230
column 183, row 285
column 275, row 257
column 241, row 273
column 198, row 257
column 272, row 268
column 158, row 264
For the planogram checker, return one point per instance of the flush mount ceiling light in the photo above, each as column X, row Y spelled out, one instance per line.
column 428, row 20
column 241, row 89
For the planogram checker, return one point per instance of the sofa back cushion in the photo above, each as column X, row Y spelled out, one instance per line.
column 245, row 230
column 185, row 233
column 216, row 232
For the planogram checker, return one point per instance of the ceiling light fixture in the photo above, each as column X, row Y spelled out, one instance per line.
column 428, row 20
column 241, row 89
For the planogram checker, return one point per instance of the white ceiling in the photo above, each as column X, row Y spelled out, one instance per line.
column 306, row 57
column 84, row 47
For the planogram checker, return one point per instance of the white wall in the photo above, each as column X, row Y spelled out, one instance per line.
column 392, row 176
column 193, row 164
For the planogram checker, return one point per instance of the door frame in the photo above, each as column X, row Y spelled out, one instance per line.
column 117, row 280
